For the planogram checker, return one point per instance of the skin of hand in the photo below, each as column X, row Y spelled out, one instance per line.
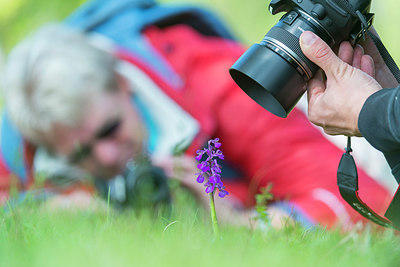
column 336, row 98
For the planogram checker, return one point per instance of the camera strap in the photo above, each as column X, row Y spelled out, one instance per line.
column 347, row 176
column 387, row 58
column 347, row 181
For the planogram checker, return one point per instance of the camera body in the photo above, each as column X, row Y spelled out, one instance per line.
column 140, row 186
column 275, row 71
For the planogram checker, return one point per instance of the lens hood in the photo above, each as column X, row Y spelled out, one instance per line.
column 268, row 79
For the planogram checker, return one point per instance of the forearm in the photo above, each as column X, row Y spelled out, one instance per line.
column 379, row 123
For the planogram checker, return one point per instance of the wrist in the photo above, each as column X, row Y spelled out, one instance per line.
column 358, row 109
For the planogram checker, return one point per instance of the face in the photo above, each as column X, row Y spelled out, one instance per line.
column 111, row 132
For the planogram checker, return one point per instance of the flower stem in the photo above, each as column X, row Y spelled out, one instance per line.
column 214, row 215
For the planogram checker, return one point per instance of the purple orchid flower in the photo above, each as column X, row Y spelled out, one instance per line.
column 210, row 169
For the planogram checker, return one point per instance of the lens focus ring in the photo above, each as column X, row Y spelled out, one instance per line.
column 282, row 38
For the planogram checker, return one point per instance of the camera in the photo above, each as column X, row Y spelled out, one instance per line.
column 274, row 72
column 140, row 186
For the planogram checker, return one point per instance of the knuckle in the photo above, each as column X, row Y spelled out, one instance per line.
column 323, row 52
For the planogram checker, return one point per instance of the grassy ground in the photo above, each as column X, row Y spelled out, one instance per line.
column 32, row 236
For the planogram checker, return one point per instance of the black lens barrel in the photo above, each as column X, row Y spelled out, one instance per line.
column 268, row 79
column 291, row 46
column 275, row 71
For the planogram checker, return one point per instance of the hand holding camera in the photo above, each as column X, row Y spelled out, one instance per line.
column 335, row 104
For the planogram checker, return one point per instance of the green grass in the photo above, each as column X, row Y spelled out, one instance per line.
column 33, row 236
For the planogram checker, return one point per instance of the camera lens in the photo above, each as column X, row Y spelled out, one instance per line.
column 275, row 71
column 151, row 185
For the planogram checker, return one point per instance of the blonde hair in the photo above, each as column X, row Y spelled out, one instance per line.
column 48, row 78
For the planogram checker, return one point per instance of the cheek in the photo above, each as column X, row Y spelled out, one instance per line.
column 133, row 128
column 132, row 132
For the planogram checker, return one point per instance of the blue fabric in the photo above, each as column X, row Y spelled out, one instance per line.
column 152, row 129
column 296, row 213
column 12, row 148
column 124, row 20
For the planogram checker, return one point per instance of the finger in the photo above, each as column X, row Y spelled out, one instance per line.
column 345, row 52
column 316, row 85
column 358, row 53
column 315, row 49
column 368, row 65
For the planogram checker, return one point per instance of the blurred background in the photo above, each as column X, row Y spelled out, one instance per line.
column 250, row 19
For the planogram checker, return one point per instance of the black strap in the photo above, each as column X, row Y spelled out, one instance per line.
column 347, row 181
column 347, row 176
column 387, row 58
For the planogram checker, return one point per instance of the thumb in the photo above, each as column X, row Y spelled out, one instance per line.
column 316, row 50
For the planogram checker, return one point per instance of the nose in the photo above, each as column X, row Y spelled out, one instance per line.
column 107, row 152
